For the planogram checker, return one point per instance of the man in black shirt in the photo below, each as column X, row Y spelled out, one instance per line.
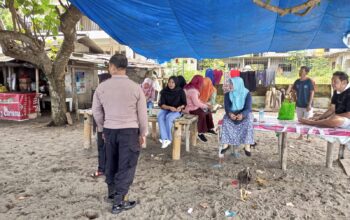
column 338, row 114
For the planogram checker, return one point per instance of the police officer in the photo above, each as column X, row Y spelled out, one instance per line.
column 119, row 106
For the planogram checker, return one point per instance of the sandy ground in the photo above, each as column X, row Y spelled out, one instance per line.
column 45, row 175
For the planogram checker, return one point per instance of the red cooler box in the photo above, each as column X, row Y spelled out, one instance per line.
column 17, row 106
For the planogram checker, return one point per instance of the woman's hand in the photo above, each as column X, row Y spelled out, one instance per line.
column 239, row 117
column 173, row 109
column 179, row 109
column 233, row 116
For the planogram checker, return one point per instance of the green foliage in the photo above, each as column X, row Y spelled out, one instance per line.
column 212, row 63
column 41, row 14
column 321, row 69
column 5, row 16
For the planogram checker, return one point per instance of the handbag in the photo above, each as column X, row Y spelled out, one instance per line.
column 287, row 110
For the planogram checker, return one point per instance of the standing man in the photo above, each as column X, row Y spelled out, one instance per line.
column 124, row 123
column 304, row 89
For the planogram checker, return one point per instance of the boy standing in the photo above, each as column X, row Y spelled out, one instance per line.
column 304, row 90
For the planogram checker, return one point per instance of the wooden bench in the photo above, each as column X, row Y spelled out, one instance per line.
column 189, row 123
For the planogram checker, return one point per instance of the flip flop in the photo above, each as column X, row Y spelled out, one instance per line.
column 97, row 174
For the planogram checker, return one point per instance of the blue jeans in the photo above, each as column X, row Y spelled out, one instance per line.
column 165, row 122
column 149, row 104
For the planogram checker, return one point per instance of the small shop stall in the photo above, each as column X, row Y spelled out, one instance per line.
column 19, row 90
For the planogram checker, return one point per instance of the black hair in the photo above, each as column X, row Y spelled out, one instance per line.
column 342, row 76
column 104, row 76
column 119, row 61
column 307, row 69
column 181, row 81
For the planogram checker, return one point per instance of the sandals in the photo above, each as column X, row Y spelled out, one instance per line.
column 97, row 174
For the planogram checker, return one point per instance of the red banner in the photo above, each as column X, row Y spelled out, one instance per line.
column 17, row 106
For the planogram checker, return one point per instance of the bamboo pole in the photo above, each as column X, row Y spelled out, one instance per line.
column 329, row 155
column 87, row 131
column 284, row 152
column 177, row 141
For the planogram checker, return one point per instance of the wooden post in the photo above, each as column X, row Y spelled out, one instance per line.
column 4, row 75
column 329, row 155
column 284, row 152
column 341, row 151
column 279, row 143
column 154, row 130
column 187, row 137
column 37, row 90
column 177, row 141
column 194, row 133
column 74, row 93
column 87, row 130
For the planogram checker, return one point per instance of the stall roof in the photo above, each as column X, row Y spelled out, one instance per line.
column 4, row 58
column 102, row 59
column 160, row 29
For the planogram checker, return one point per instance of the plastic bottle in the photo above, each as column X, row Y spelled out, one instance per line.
column 261, row 115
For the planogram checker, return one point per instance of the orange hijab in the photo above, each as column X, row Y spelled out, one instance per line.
column 207, row 90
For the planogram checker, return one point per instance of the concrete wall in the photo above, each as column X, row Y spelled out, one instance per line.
column 322, row 96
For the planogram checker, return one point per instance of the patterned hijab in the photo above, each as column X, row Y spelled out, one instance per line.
column 238, row 94
column 147, row 87
column 195, row 83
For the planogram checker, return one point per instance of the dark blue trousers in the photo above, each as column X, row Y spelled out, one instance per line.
column 122, row 153
column 101, row 153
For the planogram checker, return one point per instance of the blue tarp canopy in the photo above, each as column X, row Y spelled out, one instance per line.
column 164, row 29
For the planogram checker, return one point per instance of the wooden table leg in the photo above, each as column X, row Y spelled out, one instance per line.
column 187, row 137
column 279, row 143
column 284, row 152
column 177, row 141
column 194, row 134
column 341, row 151
column 87, row 131
column 154, row 130
column 329, row 155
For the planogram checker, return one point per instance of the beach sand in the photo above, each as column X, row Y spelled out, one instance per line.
column 45, row 174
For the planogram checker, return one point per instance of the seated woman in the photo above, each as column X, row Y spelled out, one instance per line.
column 196, row 107
column 149, row 91
column 172, row 102
column 181, row 81
column 208, row 93
column 237, row 127
column 338, row 114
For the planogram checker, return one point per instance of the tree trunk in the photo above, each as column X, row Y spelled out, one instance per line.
column 58, row 100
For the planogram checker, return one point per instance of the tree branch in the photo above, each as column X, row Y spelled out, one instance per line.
column 68, row 20
column 12, row 35
column 63, row 5
column 307, row 6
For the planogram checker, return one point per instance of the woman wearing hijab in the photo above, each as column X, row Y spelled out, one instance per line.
column 196, row 107
column 210, row 74
column 181, row 81
column 149, row 91
column 237, row 125
column 172, row 102
column 100, row 142
column 208, row 92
